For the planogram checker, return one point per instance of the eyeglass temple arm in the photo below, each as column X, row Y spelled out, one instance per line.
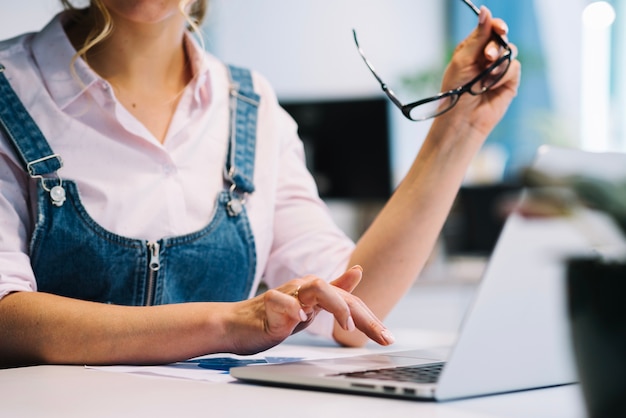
column 383, row 85
column 367, row 62
column 472, row 6
column 476, row 10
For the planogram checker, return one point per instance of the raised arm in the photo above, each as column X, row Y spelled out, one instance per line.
column 396, row 246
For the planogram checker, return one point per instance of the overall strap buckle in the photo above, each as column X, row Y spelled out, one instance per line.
column 28, row 140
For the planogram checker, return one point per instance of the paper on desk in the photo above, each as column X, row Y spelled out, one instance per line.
column 213, row 368
column 175, row 370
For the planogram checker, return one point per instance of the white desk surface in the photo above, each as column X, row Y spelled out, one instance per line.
column 74, row 391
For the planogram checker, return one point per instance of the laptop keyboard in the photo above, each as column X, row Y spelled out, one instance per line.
column 424, row 373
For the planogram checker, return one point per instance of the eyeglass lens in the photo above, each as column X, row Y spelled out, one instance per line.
column 431, row 108
column 435, row 106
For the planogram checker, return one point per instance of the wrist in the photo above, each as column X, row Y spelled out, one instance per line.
column 455, row 133
column 221, row 327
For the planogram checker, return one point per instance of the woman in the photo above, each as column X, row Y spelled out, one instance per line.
column 139, row 119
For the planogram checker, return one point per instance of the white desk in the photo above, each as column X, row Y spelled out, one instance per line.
column 72, row 391
column 64, row 391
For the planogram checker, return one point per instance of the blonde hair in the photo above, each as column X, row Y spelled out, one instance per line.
column 97, row 14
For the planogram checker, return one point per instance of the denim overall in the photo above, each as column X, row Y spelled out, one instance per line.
column 73, row 256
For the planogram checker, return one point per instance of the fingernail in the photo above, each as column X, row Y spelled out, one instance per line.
column 303, row 316
column 350, row 324
column 505, row 27
column 357, row 267
column 492, row 53
column 482, row 17
column 388, row 337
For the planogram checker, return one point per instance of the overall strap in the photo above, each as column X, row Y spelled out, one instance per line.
column 20, row 128
column 244, row 103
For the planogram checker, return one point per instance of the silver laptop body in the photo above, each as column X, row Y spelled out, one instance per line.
column 515, row 335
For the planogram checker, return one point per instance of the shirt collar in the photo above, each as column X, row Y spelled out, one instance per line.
column 53, row 53
column 200, row 68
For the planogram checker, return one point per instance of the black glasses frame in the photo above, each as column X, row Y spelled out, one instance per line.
column 452, row 95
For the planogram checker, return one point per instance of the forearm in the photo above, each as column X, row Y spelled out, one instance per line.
column 38, row 328
column 397, row 245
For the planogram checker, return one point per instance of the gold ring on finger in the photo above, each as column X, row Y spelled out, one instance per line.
column 296, row 294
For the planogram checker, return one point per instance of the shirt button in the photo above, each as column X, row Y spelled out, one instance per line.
column 169, row 169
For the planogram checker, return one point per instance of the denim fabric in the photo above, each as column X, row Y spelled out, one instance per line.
column 20, row 127
column 240, row 162
column 73, row 256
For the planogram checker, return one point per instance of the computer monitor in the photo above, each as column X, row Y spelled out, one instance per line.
column 347, row 145
column 477, row 218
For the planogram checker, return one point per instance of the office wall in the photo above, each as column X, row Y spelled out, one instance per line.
column 306, row 47
column 17, row 17
column 560, row 26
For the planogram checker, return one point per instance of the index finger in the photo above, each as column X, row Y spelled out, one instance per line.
column 317, row 293
column 350, row 311
column 369, row 324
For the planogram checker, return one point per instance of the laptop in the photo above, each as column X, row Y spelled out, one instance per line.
column 515, row 335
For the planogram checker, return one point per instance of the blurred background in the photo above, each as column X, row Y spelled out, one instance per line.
column 573, row 90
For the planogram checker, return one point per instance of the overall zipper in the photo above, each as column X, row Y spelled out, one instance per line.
column 153, row 267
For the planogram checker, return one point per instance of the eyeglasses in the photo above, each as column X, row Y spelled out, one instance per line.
column 442, row 102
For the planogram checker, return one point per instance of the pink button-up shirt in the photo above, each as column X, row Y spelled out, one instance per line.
column 137, row 187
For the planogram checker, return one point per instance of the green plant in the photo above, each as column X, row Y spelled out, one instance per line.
column 550, row 195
